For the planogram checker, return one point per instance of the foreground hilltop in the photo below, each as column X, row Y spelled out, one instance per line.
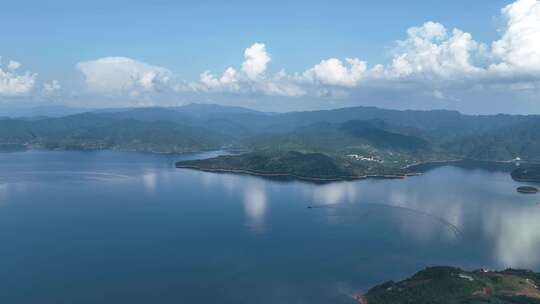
column 449, row 285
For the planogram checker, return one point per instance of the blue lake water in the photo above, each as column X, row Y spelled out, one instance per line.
column 113, row 227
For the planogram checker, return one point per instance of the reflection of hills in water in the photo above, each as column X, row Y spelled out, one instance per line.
column 73, row 176
column 449, row 203
column 466, row 203
column 469, row 165
column 249, row 229
column 466, row 165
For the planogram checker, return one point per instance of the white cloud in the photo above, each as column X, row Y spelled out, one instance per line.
column 13, row 65
column 432, row 57
column 256, row 60
column 279, row 88
column 333, row 72
column 227, row 81
column 13, row 83
column 147, row 80
column 121, row 75
column 430, row 52
column 437, row 94
column 519, row 47
column 250, row 80
column 431, row 61
column 51, row 88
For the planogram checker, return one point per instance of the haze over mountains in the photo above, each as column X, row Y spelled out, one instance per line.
column 418, row 135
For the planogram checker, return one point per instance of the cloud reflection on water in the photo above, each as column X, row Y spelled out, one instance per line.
column 404, row 208
column 455, row 206
column 252, row 191
column 335, row 193
column 150, row 181
column 228, row 181
column 484, row 207
column 516, row 234
column 255, row 204
column 3, row 194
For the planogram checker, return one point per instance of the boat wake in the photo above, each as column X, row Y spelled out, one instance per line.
column 455, row 229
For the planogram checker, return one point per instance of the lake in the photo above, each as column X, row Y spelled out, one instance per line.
column 115, row 227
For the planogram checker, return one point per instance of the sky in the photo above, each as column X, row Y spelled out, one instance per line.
column 473, row 56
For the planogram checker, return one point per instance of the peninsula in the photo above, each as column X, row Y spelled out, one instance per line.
column 528, row 173
column 450, row 285
column 292, row 165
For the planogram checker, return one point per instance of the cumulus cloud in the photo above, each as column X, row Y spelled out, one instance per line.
column 250, row 79
column 13, row 65
column 13, row 83
column 334, row 72
column 256, row 59
column 51, row 88
column 432, row 57
column 519, row 47
column 431, row 52
column 431, row 60
column 279, row 88
column 227, row 81
column 121, row 75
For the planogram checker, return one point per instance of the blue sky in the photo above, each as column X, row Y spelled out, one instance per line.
column 50, row 38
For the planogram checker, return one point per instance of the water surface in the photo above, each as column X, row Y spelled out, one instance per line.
column 112, row 227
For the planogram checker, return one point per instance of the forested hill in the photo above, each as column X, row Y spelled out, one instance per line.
column 450, row 285
column 391, row 135
column 90, row 132
column 518, row 140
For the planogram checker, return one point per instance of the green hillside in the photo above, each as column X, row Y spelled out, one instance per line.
column 365, row 137
column 89, row 131
column 311, row 166
column 527, row 173
column 448, row 285
column 520, row 140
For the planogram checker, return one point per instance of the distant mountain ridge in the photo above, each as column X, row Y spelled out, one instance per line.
column 39, row 111
column 90, row 131
column 344, row 137
column 193, row 109
column 201, row 109
column 520, row 140
column 388, row 136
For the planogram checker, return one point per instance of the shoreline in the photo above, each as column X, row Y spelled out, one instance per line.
column 409, row 168
column 359, row 297
column 518, row 284
column 458, row 160
column 37, row 148
column 294, row 176
column 526, row 180
column 434, row 162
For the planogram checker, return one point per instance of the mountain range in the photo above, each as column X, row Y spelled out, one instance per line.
column 369, row 136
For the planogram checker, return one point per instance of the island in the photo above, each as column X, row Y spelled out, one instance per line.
column 527, row 190
column 294, row 165
column 450, row 285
